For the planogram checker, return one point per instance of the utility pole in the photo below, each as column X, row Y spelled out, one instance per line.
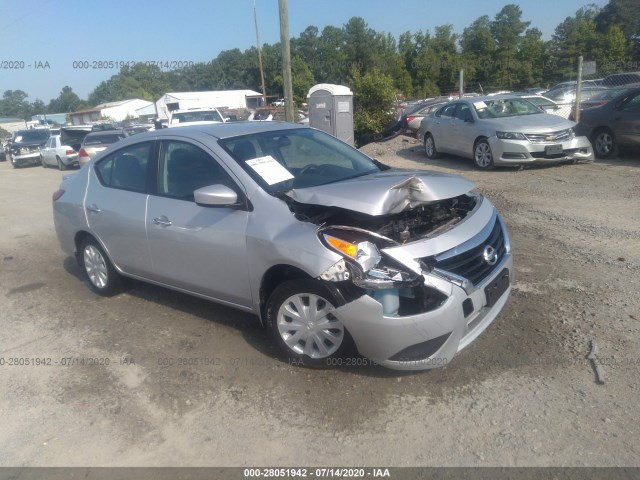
column 578, row 90
column 264, row 91
column 286, row 60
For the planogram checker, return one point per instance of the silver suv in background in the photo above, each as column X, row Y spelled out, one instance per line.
column 97, row 141
column 328, row 247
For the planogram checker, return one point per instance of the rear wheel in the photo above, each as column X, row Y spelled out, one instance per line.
column 482, row 156
column 604, row 143
column 61, row 165
column 430, row 147
column 100, row 272
column 300, row 318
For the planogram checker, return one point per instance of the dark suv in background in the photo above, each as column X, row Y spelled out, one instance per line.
column 24, row 148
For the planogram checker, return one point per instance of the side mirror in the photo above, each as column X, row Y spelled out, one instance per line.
column 215, row 196
column 468, row 120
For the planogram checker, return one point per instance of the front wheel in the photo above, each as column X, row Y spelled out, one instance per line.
column 42, row 162
column 604, row 143
column 482, row 156
column 100, row 272
column 300, row 317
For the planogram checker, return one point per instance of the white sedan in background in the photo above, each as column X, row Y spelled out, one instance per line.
column 54, row 154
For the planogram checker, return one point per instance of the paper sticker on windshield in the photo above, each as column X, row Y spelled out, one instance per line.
column 479, row 105
column 19, row 138
column 270, row 170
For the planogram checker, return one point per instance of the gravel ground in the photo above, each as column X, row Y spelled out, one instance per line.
column 523, row 394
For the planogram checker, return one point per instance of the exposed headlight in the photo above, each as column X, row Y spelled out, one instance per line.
column 510, row 136
column 365, row 254
column 368, row 269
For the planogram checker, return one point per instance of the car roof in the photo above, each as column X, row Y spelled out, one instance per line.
column 222, row 130
column 106, row 132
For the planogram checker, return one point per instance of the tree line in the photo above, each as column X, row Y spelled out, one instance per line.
column 504, row 52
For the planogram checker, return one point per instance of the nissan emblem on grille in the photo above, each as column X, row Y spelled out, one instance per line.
column 490, row 255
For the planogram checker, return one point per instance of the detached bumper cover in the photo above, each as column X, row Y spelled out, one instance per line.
column 514, row 152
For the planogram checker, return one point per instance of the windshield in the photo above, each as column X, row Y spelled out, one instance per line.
column 609, row 93
column 197, row 116
column 34, row 135
column 505, row 107
column 285, row 159
column 102, row 138
column 540, row 101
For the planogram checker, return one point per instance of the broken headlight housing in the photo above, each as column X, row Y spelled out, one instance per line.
column 363, row 262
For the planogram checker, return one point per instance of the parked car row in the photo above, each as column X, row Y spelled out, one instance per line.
column 64, row 147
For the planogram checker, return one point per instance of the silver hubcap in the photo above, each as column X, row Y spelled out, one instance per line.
column 95, row 266
column 483, row 155
column 308, row 327
column 428, row 146
column 604, row 143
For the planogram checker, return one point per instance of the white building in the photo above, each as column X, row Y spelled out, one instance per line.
column 116, row 111
column 239, row 99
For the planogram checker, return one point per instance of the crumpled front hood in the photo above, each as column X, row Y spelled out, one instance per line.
column 387, row 192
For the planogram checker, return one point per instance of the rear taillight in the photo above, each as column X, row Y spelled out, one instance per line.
column 410, row 119
column 70, row 152
column 57, row 194
column 83, row 153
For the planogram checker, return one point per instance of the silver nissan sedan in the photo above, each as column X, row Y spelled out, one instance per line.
column 329, row 248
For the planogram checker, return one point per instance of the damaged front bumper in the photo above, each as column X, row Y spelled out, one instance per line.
column 470, row 283
column 426, row 340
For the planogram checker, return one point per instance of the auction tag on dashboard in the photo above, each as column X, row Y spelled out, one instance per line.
column 269, row 169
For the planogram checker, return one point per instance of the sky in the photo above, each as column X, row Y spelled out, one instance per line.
column 47, row 44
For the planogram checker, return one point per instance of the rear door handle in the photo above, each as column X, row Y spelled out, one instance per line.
column 93, row 208
column 163, row 221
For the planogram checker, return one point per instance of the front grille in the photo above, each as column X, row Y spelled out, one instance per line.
column 559, row 136
column 565, row 153
column 471, row 263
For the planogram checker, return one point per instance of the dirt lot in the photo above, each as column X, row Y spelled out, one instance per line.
column 522, row 395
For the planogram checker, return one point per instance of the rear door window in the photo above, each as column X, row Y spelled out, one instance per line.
column 126, row 168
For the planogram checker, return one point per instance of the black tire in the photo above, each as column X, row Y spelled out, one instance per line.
column 61, row 165
column 430, row 149
column 100, row 273
column 482, row 155
column 321, row 343
column 44, row 165
column 604, row 143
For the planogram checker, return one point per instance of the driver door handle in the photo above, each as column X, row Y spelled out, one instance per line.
column 93, row 208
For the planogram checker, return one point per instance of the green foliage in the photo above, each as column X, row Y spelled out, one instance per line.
column 373, row 97
column 504, row 52
column 67, row 101
column 14, row 104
